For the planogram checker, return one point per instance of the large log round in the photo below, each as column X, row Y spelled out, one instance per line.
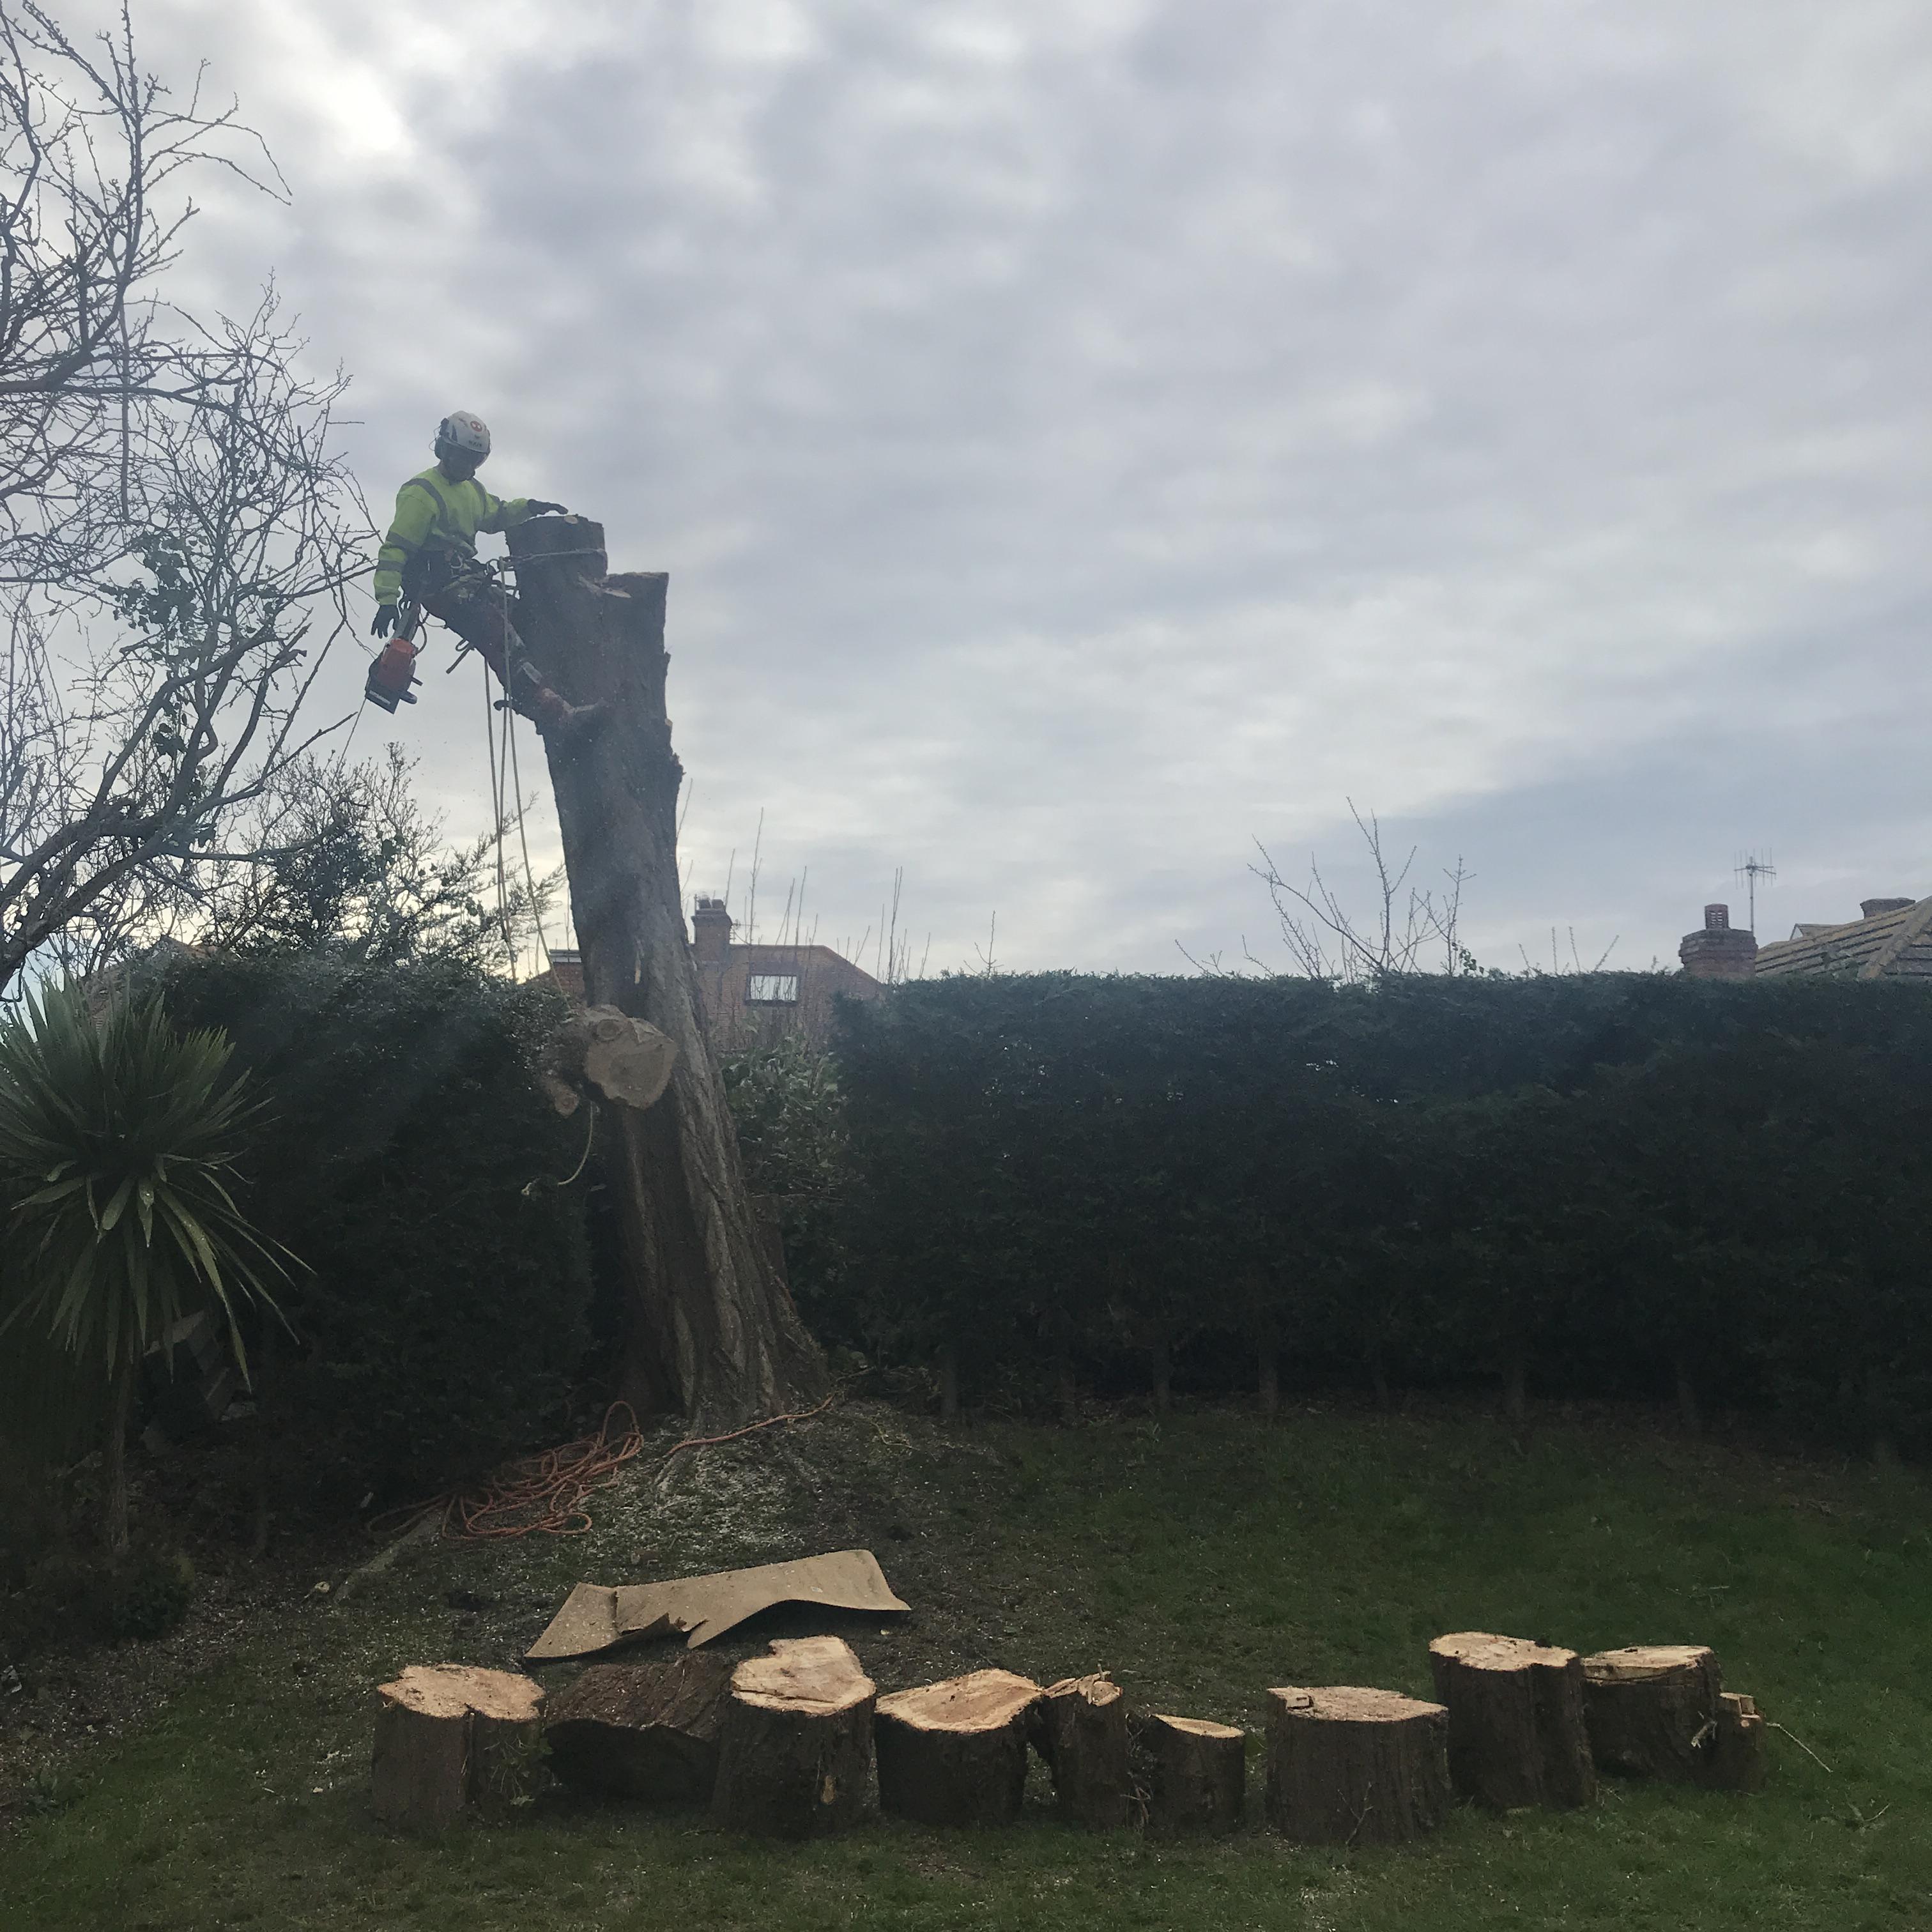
column 795, row 1754
column 955, row 1753
column 1348, row 1765
column 443, row 1731
column 647, row 1731
column 1199, row 1774
column 1651, row 1708
column 1517, row 1732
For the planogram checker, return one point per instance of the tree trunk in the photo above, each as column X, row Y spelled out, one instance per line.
column 444, row 1733
column 647, row 1731
column 954, row 1753
column 1082, row 1732
column 1200, row 1775
column 949, row 1384
column 795, row 1758
column 1517, row 1735
column 713, row 1333
column 1651, row 1708
column 1270, row 1382
column 1348, row 1766
column 114, row 1461
column 1688, row 1412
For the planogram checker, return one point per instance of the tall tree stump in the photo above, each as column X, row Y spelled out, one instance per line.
column 795, row 1755
column 1081, row 1729
column 1350, row 1766
column 443, row 1732
column 1200, row 1775
column 1732, row 1758
column 1651, row 1708
column 647, row 1731
column 713, row 1332
column 1517, row 1732
column 955, row 1753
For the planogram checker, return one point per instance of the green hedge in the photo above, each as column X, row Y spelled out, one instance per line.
column 1608, row 1184
column 440, row 1318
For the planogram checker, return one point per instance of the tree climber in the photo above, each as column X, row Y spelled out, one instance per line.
column 429, row 558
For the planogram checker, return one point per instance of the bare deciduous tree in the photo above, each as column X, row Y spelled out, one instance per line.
column 176, row 526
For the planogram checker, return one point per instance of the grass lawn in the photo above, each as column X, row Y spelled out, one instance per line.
column 1201, row 1560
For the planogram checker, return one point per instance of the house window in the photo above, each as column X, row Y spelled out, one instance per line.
column 771, row 989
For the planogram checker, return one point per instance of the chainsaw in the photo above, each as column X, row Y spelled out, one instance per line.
column 393, row 670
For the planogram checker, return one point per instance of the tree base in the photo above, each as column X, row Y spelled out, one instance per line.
column 1517, row 1732
column 647, row 1731
column 1200, row 1780
column 795, row 1753
column 1350, row 1766
column 1651, row 1708
column 445, row 1735
column 1081, row 1729
column 955, row 1753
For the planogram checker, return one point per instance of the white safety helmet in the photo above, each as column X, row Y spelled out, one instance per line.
column 462, row 432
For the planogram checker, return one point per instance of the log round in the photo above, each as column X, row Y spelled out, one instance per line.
column 1651, row 1708
column 647, row 1731
column 441, row 1731
column 1200, row 1775
column 1348, row 1765
column 1081, row 1729
column 1732, row 1758
column 1516, row 1731
column 955, row 1753
column 795, row 1752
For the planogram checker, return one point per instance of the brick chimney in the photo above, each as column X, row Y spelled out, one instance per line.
column 710, row 932
column 1871, row 908
column 1718, row 952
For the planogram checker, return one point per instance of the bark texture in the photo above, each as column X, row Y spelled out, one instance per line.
column 795, row 1757
column 1200, row 1775
column 1350, row 1766
column 1651, row 1708
column 1082, row 1731
column 1516, row 1731
column 1732, row 1758
column 443, row 1730
column 955, row 1753
column 714, row 1334
column 647, row 1731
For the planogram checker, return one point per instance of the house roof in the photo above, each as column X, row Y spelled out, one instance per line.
column 1895, row 945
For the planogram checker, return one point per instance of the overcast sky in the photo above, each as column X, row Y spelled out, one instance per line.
column 1085, row 439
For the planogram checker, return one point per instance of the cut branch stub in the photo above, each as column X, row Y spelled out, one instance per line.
column 955, row 1753
column 1516, row 1731
column 795, row 1755
column 1081, row 1729
column 1652, row 1708
column 647, row 1731
column 1200, row 1775
column 441, row 1731
column 1348, row 1765
column 1732, row 1758
column 627, row 1060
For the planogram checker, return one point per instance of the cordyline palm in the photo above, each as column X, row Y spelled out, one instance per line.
column 119, row 1137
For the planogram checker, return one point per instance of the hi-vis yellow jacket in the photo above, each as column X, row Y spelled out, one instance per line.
column 432, row 512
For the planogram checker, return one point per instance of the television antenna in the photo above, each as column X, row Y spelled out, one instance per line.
column 1751, row 868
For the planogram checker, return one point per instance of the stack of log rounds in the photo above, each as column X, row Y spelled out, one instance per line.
column 1652, row 1708
column 795, row 1752
column 1081, row 1729
column 647, row 1731
column 1200, row 1775
column 1517, row 1732
column 955, row 1753
column 1348, row 1765
column 443, row 1732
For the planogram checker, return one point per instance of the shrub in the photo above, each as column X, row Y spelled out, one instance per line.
column 440, row 1318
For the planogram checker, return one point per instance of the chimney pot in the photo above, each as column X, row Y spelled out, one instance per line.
column 710, row 931
column 1716, row 919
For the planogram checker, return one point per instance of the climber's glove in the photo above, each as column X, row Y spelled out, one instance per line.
column 385, row 621
column 538, row 508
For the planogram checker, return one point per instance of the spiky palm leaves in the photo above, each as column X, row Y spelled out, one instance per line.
column 118, row 1140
